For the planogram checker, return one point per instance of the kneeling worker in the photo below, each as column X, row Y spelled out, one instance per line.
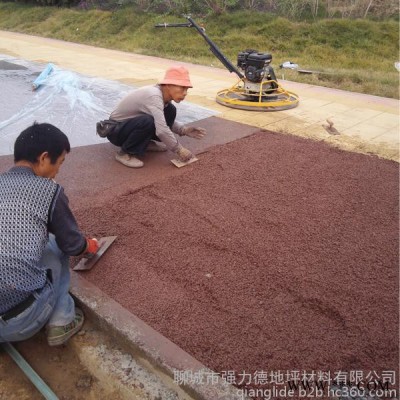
column 37, row 233
column 146, row 119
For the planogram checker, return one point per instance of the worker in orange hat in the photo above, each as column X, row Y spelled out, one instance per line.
column 147, row 120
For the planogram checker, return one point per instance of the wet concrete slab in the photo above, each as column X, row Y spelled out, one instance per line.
column 91, row 174
column 267, row 253
column 10, row 66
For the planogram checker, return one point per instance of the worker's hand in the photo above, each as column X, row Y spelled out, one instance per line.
column 184, row 154
column 92, row 246
column 194, row 132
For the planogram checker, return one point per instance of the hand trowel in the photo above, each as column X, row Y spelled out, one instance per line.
column 86, row 263
column 180, row 164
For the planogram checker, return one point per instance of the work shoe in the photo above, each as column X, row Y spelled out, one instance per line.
column 156, row 146
column 129, row 160
column 58, row 335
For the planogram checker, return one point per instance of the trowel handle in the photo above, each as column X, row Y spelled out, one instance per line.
column 92, row 247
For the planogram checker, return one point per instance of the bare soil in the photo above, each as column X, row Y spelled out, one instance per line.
column 59, row 367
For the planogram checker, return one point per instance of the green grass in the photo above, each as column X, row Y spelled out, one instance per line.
column 354, row 55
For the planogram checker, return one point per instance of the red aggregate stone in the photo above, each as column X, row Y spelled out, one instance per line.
column 270, row 253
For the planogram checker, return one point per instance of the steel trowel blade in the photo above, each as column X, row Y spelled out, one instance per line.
column 86, row 264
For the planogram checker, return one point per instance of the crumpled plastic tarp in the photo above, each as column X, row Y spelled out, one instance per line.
column 43, row 76
column 289, row 65
column 70, row 101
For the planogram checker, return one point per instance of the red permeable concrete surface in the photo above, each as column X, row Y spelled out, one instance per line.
column 271, row 253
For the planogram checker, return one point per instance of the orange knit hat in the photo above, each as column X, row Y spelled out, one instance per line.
column 177, row 75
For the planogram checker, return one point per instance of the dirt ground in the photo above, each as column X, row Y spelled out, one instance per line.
column 59, row 367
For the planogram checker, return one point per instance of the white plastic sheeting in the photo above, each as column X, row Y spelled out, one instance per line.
column 70, row 101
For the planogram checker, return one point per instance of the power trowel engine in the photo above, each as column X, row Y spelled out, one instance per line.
column 256, row 67
column 257, row 88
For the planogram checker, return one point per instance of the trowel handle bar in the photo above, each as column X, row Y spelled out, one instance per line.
column 213, row 47
column 167, row 25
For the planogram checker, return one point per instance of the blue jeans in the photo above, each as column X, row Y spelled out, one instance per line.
column 53, row 304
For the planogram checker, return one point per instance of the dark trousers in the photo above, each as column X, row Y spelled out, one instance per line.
column 134, row 135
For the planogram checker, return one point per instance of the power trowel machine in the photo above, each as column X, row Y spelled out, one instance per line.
column 257, row 88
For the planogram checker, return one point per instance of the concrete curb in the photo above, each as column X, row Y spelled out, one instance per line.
column 143, row 341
